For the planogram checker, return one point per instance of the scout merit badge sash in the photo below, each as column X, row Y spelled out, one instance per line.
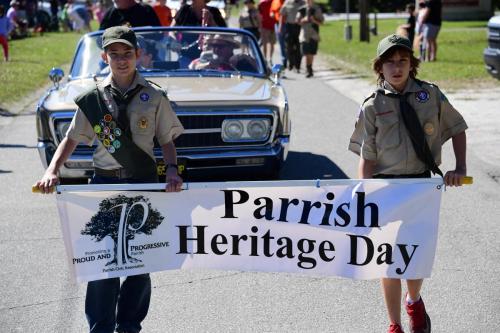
column 415, row 131
column 98, row 107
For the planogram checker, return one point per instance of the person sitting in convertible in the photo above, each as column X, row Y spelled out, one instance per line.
column 219, row 54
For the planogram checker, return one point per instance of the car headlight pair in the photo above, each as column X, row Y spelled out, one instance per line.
column 245, row 129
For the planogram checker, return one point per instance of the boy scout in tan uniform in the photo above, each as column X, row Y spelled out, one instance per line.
column 380, row 134
column 398, row 134
column 123, row 113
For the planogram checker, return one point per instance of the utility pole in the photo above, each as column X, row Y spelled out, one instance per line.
column 364, row 24
column 347, row 26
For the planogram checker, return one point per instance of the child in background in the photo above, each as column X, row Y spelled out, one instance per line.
column 5, row 29
column 250, row 18
column 399, row 133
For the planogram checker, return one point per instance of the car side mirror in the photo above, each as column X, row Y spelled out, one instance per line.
column 56, row 75
column 276, row 72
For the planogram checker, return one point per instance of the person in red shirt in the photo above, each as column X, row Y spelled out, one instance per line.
column 267, row 34
column 278, row 29
column 163, row 12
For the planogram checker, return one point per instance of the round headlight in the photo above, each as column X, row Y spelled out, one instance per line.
column 257, row 129
column 233, row 130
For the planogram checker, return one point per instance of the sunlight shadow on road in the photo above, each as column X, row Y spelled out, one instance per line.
column 300, row 165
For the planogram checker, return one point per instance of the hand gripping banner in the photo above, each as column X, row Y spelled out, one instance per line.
column 359, row 229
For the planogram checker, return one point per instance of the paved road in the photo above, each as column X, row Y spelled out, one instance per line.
column 462, row 295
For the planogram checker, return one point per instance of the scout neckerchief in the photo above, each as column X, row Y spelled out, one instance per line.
column 98, row 106
column 415, row 130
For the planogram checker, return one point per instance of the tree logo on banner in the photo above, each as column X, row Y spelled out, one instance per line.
column 121, row 218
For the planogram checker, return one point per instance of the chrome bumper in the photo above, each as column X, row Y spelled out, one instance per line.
column 80, row 165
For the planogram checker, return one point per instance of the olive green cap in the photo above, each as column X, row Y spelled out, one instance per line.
column 119, row 34
column 392, row 41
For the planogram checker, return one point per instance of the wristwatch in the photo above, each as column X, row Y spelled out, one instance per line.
column 171, row 165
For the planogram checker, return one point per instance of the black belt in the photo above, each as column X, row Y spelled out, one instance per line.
column 121, row 173
column 426, row 174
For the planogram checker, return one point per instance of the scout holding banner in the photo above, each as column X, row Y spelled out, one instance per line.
column 356, row 229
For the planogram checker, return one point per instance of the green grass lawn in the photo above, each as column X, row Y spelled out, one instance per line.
column 30, row 62
column 460, row 52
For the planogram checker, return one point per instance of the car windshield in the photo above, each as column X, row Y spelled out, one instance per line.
column 179, row 52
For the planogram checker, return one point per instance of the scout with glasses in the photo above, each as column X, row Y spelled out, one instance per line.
column 399, row 133
column 123, row 113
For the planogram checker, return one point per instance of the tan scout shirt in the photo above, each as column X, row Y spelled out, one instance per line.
column 380, row 134
column 148, row 107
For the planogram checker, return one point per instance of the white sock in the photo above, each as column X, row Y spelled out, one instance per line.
column 410, row 301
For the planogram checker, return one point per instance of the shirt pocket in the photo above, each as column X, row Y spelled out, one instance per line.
column 142, row 123
column 388, row 132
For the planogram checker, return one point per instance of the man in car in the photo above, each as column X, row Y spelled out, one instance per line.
column 131, row 13
column 219, row 55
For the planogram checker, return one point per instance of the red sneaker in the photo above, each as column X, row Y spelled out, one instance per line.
column 395, row 328
column 419, row 320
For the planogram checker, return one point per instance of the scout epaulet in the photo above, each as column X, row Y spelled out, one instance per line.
column 372, row 95
column 162, row 90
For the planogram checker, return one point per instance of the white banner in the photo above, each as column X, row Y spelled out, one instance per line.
column 351, row 228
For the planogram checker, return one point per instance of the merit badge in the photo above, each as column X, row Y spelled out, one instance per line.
column 106, row 143
column 117, row 144
column 422, row 96
column 97, row 129
column 111, row 137
column 101, row 136
column 111, row 149
column 429, row 128
column 108, row 118
column 117, row 132
column 144, row 97
column 106, row 130
column 112, row 124
column 143, row 123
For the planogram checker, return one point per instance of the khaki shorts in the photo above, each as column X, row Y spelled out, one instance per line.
column 268, row 36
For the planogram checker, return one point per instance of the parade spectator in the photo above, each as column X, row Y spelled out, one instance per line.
column 19, row 23
column 249, row 18
column 130, row 13
column 310, row 18
column 399, row 134
column 418, row 42
column 163, row 12
column 279, row 29
column 65, row 20
column 5, row 28
column 408, row 29
column 99, row 11
column 78, row 17
column 267, row 34
column 292, row 30
column 129, row 158
column 192, row 15
column 431, row 22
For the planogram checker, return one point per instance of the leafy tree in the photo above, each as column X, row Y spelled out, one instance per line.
column 106, row 221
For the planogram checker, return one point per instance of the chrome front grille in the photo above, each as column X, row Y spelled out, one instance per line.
column 494, row 37
column 202, row 128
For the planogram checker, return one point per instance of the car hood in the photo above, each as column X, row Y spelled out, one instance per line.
column 194, row 90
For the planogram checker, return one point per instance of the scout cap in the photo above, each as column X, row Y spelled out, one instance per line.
column 119, row 34
column 392, row 41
